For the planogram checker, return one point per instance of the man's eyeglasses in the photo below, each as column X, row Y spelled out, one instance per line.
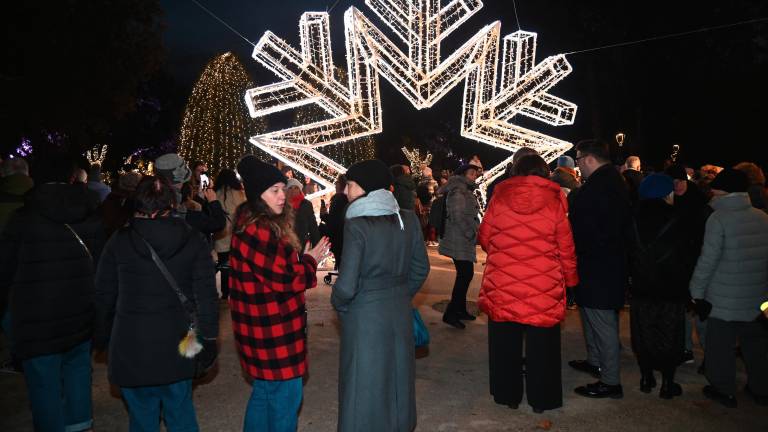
column 576, row 159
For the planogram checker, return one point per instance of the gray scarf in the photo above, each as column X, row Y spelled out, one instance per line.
column 380, row 202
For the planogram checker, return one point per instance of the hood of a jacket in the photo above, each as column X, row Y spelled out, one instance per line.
column 731, row 201
column 167, row 235
column 16, row 184
column 565, row 177
column 63, row 202
column 456, row 182
column 527, row 194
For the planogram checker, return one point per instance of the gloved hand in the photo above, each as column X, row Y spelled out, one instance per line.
column 206, row 359
column 702, row 308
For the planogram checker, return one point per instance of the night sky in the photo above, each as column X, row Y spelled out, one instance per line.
column 677, row 91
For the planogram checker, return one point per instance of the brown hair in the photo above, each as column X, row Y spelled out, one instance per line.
column 755, row 174
column 531, row 165
column 258, row 212
column 154, row 194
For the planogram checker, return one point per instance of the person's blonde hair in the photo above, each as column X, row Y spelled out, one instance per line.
column 259, row 213
column 755, row 174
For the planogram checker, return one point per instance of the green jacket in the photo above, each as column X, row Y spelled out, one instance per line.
column 12, row 190
column 732, row 271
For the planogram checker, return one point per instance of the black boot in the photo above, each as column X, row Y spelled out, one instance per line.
column 669, row 388
column 647, row 381
column 466, row 316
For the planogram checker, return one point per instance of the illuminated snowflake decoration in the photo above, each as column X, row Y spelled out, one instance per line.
column 421, row 75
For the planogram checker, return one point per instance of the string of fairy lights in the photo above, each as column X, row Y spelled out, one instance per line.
column 216, row 125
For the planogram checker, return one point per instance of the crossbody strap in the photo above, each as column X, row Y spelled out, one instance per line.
column 189, row 307
column 82, row 243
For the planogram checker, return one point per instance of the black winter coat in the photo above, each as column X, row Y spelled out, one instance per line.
column 139, row 315
column 305, row 224
column 601, row 221
column 660, row 263
column 46, row 270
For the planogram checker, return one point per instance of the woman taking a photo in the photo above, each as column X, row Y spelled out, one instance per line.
column 267, row 284
column 141, row 316
column 384, row 264
column 531, row 260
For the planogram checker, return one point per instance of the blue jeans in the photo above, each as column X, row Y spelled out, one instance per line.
column 144, row 405
column 273, row 406
column 59, row 387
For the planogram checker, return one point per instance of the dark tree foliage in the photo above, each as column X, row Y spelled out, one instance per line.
column 74, row 67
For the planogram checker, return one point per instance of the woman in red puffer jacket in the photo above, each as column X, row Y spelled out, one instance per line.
column 531, row 260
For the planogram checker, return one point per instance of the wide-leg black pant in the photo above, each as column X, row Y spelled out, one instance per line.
column 543, row 379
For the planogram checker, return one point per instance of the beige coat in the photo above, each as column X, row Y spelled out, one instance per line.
column 230, row 200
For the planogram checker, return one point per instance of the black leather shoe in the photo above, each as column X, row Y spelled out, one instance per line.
column 647, row 383
column 600, row 390
column 670, row 389
column 466, row 316
column 453, row 321
column 716, row 395
column 585, row 366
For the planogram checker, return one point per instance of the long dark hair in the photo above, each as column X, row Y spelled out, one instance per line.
column 258, row 212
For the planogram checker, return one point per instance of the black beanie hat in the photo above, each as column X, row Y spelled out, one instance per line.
column 730, row 180
column 258, row 176
column 370, row 174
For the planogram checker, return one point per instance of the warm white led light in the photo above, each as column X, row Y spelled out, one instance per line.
column 415, row 160
column 420, row 75
column 97, row 154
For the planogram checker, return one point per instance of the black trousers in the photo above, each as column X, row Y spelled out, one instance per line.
column 464, row 272
column 721, row 361
column 543, row 378
column 224, row 268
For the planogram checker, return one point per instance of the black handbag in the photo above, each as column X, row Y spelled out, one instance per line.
column 190, row 345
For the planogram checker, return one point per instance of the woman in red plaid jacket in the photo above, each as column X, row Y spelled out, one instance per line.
column 267, row 284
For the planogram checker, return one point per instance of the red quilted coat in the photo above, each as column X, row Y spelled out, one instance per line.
column 531, row 256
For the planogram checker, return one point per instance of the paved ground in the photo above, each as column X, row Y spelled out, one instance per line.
column 451, row 384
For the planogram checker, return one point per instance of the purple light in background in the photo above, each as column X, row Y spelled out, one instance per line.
column 25, row 149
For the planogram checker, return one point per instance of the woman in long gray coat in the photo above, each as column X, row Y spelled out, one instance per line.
column 384, row 264
column 460, row 238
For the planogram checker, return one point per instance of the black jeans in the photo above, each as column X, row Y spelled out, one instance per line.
column 543, row 378
column 223, row 267
column 464, row 272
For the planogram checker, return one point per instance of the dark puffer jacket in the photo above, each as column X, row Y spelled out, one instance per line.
column 48, row 273
column 137, row 311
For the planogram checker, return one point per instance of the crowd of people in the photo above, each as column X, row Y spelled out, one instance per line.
column 131, row 271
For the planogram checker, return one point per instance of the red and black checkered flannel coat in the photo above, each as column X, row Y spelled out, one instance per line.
column 266, row 292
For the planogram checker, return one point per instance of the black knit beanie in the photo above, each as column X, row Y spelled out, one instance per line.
column 730, row 180
column 370, row 174
column 258, row 176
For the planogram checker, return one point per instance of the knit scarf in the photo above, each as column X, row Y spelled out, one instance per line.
column 380, row 202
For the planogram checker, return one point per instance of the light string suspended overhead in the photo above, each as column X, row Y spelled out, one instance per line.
column 420, row 75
